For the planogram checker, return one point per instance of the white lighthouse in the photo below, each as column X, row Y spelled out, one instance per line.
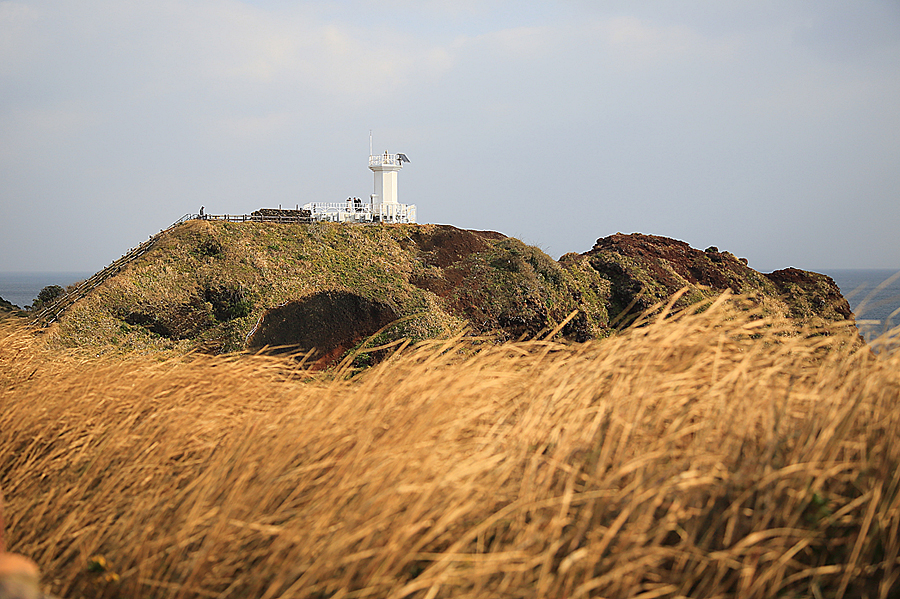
column 386, row 166
column 382, row 207
column 384, row 200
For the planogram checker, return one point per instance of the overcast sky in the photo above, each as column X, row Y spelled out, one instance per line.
column 770, row 129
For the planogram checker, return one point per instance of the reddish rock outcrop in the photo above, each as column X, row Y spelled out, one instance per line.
column 646, row 269
column 810, row 294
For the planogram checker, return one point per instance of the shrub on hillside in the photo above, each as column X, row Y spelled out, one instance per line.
column 46, row 296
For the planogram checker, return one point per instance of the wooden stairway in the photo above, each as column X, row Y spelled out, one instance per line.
column 51, row 313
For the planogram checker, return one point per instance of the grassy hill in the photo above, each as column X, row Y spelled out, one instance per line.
column 706, row 449
column 220, row 287
column 207, row 284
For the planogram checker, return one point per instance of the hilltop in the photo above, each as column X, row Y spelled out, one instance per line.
column 220, row 287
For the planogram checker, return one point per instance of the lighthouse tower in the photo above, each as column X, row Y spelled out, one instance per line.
column 386, row 166
column 384, row 204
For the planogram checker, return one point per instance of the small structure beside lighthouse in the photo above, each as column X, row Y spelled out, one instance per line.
column 382, row 206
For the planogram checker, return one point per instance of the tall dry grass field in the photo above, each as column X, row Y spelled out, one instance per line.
column 709, row 454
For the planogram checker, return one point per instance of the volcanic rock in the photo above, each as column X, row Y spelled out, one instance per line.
column 646, row 269
column 324, row 324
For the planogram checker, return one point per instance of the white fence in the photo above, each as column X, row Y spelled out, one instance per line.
column 358, row 212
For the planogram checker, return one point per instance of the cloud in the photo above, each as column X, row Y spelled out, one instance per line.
column 123, row 49
column 17, row 44
column 637, row 44
column 851, row 32
column 671, row 117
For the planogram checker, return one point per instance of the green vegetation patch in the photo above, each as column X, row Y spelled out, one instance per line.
column 520, row 290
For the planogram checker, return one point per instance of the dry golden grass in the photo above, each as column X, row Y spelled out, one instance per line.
column 704, row 455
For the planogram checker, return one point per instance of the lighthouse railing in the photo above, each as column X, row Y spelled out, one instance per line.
column 385, row 160
column 365, row 212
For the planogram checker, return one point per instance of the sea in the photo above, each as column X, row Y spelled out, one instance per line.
column 22, row 288
column 874, row 295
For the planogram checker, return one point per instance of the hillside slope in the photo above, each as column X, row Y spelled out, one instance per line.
column 7, row 308
column 323, row 288
column 220, row 287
